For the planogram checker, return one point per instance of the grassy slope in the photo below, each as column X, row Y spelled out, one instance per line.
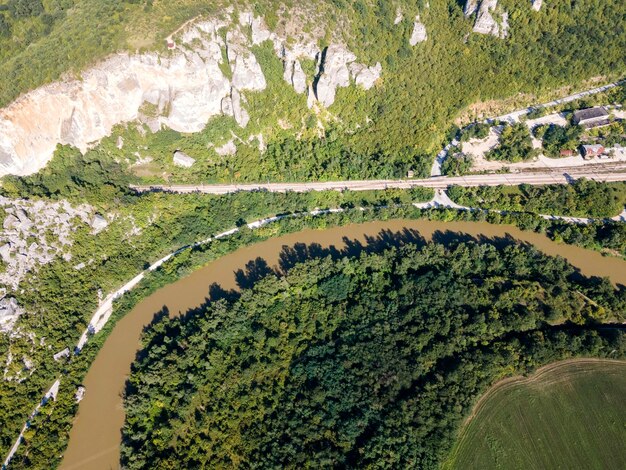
column 568, row 415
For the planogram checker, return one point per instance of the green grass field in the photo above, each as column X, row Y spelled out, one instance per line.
column 569, row 415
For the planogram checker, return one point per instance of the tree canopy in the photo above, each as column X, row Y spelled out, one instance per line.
column 370, row 360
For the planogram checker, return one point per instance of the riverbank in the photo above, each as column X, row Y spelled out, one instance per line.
column 95, row 435
column 192, row 258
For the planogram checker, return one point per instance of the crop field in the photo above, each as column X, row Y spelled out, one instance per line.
column 568, row 415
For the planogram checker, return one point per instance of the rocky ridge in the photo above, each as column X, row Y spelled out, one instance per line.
column 36, row 232
column 485, row 22
column 419, row 32
column 490, row 18
column 207, row 74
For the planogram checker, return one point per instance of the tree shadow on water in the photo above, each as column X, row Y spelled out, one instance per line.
column 451, row 239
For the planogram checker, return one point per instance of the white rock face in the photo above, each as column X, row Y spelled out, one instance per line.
column 239, row 112
column 399, row 16
column 98, row 223
column 419, row 32
column 10, row 311
column 310, row 96
column 365, row 76
column 537, row 4
column 485, row 23
column 470, row 7
column 247, row 73
column 27, row 229
column 187, row 88
column 295, row 76
column 182, row 159
column 335, row 73
column 292, row 56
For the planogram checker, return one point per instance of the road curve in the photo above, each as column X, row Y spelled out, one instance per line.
column 616, row 173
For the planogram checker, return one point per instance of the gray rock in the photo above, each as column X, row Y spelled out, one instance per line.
column 183, row 160
column 310, row 96
column 365, row 76
column 485, row 23
column 399, row 16
column 298, row 77
column 61, row 354
column 10, row 311
column 537, row 4
column 334, row 64
column 419, row 32
column 258, row 29
column 227, row 106
column 241, row 115
column 10, row 222
column 470, row 7
column 247, row 73
column 98, row 223
column 5, row 252
column 80, row 394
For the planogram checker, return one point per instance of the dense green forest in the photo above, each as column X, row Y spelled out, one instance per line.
column 356, row 359
column 582, row 198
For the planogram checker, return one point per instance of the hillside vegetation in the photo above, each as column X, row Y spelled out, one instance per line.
column 355, row 362
column 423, row 88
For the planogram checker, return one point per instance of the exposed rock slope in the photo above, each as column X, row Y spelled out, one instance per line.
column 35, row 233
column 419, row 32
column 187, row 88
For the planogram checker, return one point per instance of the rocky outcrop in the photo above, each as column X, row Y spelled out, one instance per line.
column 292, row 56
column 490, row 19
column 336, row 65
column 485, row 22
column 471, row 6
column 419, row 32
column 334, row 73
column 365, row 76
column 247, row 73
column 35, row 233
column 182, row 159
column 10, row 311
column 295, row 76
column 537, row 4
column 98, row 223
column 239, row 112
column 399, row 16
column 187, row 88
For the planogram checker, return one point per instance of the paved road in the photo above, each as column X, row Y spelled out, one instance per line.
column 616, row 172
column 515, row 115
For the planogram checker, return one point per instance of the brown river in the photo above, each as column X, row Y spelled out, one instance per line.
column 95, row 437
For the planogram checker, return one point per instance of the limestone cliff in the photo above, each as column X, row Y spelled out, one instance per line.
column 208, row 73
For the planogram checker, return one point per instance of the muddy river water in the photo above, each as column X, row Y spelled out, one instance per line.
column 95, row 436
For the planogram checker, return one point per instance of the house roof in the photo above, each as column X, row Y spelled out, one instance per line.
column 590, row 113
column 593, row 148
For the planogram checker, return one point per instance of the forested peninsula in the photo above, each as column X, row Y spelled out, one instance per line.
column 371, row 356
